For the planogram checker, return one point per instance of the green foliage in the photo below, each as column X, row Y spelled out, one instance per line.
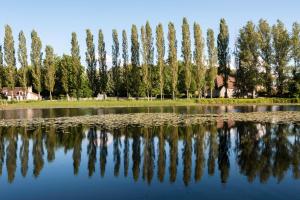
column 199, row 59
column 263, row 55
column 147, row 55
column 281, row 45
column 248, row 55
column 186, row 54
column 36, row 60
column 135, row 76
column 126, row 69
column 22, row 57
column 2, row 69
column 160, row 46
column 102, row 63
column 78, row 69
column 223, row 52
column 172, row 57
column 116, row 71
column 266, row 53
column 212, row 60
column 91, row 62
column 49, row 68
column 294, row 85
column 9, row 57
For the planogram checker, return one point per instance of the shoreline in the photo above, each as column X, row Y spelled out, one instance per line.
column 144, row 103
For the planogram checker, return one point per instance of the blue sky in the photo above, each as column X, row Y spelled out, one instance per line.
column 54, row 20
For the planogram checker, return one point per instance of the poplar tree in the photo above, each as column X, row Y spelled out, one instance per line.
column 103, row 78
column 266, row 53
column 295, row 55
column 78, row 70
column 116, row 63
column 160, row 46
column 22, row 57
column 150, row 57
column 281, row 45
column 91, row 62
column 9, row 58
column 187, row 55
column 49, row 69
column 199, row 59
column 36, row 60
column 223, row 53
column 126, row 74
column 1, row 68
column 212, row 60
column 135, row 62
column 172, row 57
column 248, row 55
column 145, row 67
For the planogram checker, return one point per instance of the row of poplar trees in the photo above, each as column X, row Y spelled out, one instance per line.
column 263, row 59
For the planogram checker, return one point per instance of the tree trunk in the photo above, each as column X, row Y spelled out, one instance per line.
column 211, row 90
column 187, row 94
column 50, row 95
column 173, row 95
column 39, row 95
column 161, row 97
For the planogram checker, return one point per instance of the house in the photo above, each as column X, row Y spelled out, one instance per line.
column 20, row 93
column 219, row 90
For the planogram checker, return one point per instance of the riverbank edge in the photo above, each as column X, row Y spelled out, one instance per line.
column 6, row 105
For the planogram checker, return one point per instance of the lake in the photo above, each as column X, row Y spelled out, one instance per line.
column 213, row 160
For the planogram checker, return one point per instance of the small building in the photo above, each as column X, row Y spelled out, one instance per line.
column 219, row 90
column 19, row 93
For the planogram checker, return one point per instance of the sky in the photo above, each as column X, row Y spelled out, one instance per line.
column 55, row 20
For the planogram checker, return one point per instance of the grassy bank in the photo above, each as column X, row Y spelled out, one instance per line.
column 142, row 103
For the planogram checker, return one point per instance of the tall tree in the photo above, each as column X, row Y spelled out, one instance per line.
column 266, row 52
column 9, row 58
column 145, row 67
column 22, row 56
column 2, row 69
column 223, row 53
column 172, row 57
column 187, row 55
column 135, row 62
column 150, row 56
column 126, row 70
column 281, row 45
column 295, row 47
column 160, row 46
column 103, row 78
column 36, row 61
column 248, row 55
column 116, row 63
column 91, row 61
column 49, row 67
column 199, row 58
column 212, row 60
column 78, row 70
column 295, row 55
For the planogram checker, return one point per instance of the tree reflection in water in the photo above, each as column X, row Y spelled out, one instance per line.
column 260, row 151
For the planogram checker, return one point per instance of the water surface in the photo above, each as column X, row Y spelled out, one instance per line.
column 242, row 160
column 71, row 112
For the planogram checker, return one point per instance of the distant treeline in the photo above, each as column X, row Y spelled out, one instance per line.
column 267, row 61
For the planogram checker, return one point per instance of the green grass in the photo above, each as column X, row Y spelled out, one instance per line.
column 142, row 103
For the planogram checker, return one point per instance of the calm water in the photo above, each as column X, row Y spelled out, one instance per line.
column 208, row 161
column 70, row 112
